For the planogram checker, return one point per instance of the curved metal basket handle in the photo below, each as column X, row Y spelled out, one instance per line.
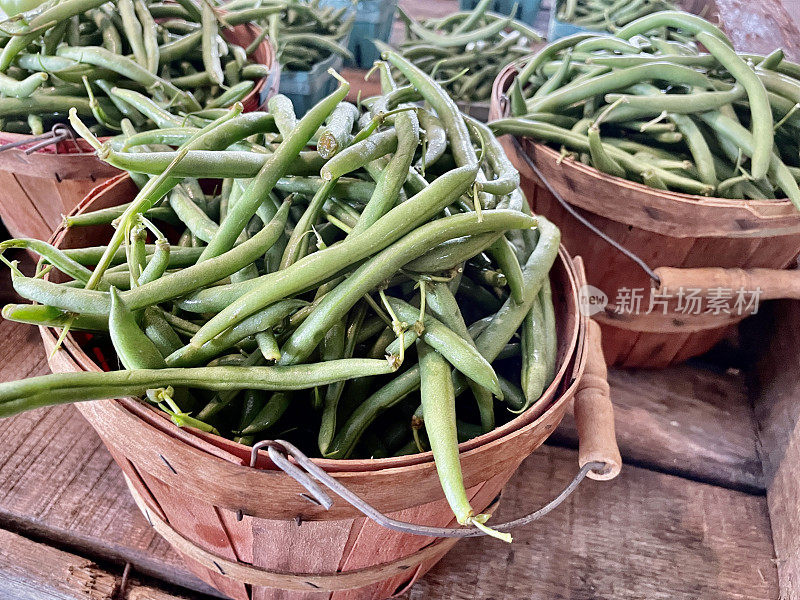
column 58, row 133
column 309, row 475
column 598, row 456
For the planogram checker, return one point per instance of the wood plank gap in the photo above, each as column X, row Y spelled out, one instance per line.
column 559, row 441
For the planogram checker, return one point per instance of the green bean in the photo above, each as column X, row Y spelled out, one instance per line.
column 614, row 81
column 456, row 39
column 272, row 411
column 101, row 57
column 56, row 257
column 134, row 349
column 459, row 353
column 334, row 391
column 23, row 88
column 600, row 158
column 534, row 364
column 435, row 140
column 276, row 167
column 306, row 337
column 386, row 230
column 445, row 107
column 190, row 356
column 149, row 35
column 282, row 109
column 61, row 388
column 48, row 316
column 360, row 154
column 160, row 332
column 438, row 405
column 337, row 132
column 679, row 103
column 60, row 11
column 210, row 48
column 503, row 253
column 158, row 263
column 763, row 137
column 701, row 153
column 147, row 107
column 175, row 50
column 668, row 18
column 393, row 176
column 235, row 93
column 179, row 257
column 553, row 133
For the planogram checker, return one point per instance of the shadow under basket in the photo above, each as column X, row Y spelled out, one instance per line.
column 248, row 531
column 41, row 187
column 720, row 243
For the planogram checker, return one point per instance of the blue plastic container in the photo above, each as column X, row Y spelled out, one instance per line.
column 306, row 88
column 558, row 29
column 374, row 20
column 526, row 9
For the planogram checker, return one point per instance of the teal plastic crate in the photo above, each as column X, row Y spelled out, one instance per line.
column 527, row 10
column 374, row 20
column 558, row 29
column 306, row 88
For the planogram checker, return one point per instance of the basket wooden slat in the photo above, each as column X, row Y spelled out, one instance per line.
column 41, row 187
column 197, row 483
column 665, row 229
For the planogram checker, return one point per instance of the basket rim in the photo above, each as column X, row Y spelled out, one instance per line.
column 762, row 209
column 568, row 376
column 86, row 150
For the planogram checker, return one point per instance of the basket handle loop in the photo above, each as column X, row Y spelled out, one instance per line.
column 770, row 284
column 594, row 413
column 300, row 467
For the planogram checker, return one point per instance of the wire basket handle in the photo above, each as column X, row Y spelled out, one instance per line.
column 598, row 456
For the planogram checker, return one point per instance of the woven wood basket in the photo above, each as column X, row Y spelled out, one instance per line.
column 693, row 242
column 248, row 532
column 41, row 187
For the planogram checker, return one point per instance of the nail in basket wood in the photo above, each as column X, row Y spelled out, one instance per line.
column 666, row 229
column 39, row 188
column 191, row 485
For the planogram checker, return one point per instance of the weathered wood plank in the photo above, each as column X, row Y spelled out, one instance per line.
column 643, row 535
column 777, row 411
column 58, row 481
column 762, row 26
column 684, row 420
column 34, row 571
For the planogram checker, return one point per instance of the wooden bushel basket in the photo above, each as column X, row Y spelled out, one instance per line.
column 41, row 187
column 249, row 533
column 693, row 242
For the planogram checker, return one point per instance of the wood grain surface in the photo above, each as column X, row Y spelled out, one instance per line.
column 684, row 420
column 643, row 535
column 778, row 414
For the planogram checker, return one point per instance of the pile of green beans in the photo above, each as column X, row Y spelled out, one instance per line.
column 607, row 15
column 466, row 50
column 126, row 59
column 384, row 293
column 653, row 108
column 303, row 32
